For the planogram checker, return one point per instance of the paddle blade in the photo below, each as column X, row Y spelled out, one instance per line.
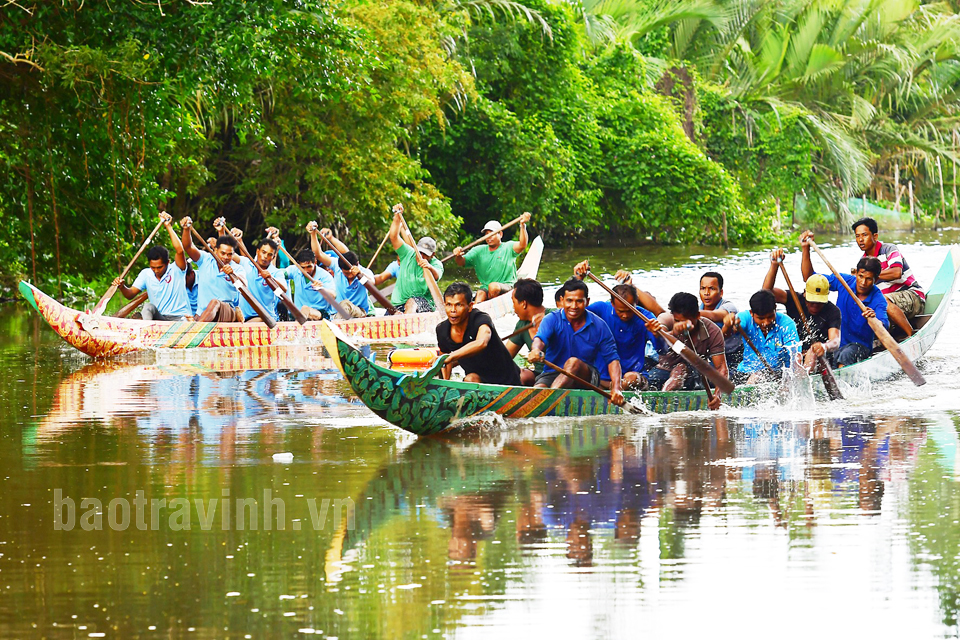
column 887, row 341
column 829, row 381
column 102, row 303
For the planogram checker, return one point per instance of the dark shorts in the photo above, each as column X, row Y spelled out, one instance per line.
column 547, row 376
column 423, row 304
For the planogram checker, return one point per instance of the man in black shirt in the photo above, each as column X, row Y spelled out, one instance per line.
column 821, row 334
column 471, row 341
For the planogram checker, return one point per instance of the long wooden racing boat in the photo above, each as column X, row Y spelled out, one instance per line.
column 424, row 404
column 103, row 336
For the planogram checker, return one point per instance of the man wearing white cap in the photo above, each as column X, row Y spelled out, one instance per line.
column 822, row 333
column 411, row 293
column 496, row 263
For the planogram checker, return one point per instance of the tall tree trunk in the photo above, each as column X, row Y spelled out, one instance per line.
column 33, row 246
column 56, row 229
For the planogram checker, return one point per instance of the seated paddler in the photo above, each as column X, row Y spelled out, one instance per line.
column 167, row 293
column 579, row 342
column 769, row 335
column 470, row 340
column 218, row 299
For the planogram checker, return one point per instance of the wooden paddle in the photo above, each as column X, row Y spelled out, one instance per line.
column 274, row 285
column 102, row 303
column 703, row 378
column 749, row 342
column 241, row 286
column 329, row 297
column 365, row 281
column 484, row 238
column 606, row 394
column 885, row 338
column 128, row 308
column 427, row 274
column 829, row 381
column 525, row 327
column 720, row 381
column 377, row 252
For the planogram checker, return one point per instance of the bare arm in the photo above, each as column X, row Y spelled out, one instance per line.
column 328, row 234
column 806, row 267
column 471, row 348
column 522, row 237
column 179, row 258
column 322, row 258
column 458, row 257
column 380, row 278
column 394, row 233
column 648, row 302
column 186, row 241
column 891, row 273
column 125, row 291
column 720, row 364
column 512, row 347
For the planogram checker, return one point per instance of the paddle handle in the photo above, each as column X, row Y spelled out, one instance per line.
column 377, row 252
column 274, row 285
column 128, row 308
column 484, row 238
column 720, row 381
column 379, row 297
column 102, row 303
column 606, row 394
column 323, row 292
column 881, row 332
column 525, row 327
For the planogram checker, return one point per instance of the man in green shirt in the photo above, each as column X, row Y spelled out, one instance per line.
column 528, row 305
column 496, row 263
column 411, row 293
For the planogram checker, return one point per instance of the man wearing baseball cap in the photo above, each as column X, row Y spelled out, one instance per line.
column 821, row 334
column 411, row 293
column 495, row 263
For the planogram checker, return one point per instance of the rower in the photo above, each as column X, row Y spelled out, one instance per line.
column 262, row 291
column 217, row 296
column 496, row 263
column 164, row 283
column 471, row 341
column 580, row 340
column 306, row 294
column 823, row 333
column 387, row 274
column 351, row 293
column 770, row 332
column 527, row 298
column 411, row 294
column 856, row 336
column 689, row 325
column 713, row 306
column 896, row 281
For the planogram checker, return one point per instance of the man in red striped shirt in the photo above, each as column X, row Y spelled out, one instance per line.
column 896, row 281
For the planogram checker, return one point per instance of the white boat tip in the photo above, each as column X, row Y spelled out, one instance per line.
column 283, row 458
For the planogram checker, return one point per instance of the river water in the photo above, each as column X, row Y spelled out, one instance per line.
column 838, row 519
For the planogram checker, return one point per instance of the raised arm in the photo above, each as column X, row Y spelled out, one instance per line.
column 806, row 267
column 332, row 239
column 522, row 237
column 179, row 258
column 776, row 257
column 394, row 233
column 321, row 257
column 187, row 242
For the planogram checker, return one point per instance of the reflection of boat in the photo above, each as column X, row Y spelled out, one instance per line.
column 220, row 386
column 423, row 404
column 102, row 336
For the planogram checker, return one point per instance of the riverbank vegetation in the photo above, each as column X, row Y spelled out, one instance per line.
column 630, row 120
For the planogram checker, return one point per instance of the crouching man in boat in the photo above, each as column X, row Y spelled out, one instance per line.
column 856, row 336
column 306, row 294
column 471, row 341
column 905, row 296
column 629, row 331
column 217, row 296
column 495, row 263
column 165, row 283
column 581, row 341
column 411, row 294
column 821, row 333
column 770, row 333
column 351, row 294
column 527, row 297
column 688, row 325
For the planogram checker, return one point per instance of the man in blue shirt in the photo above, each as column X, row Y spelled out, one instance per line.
column 351, row 292
column 306, row 295
column 856, row 336
column 164, row 282
column 769, row 331
column 630, row 334
column 218, row 296
column 579, row 340
column 262, row 292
